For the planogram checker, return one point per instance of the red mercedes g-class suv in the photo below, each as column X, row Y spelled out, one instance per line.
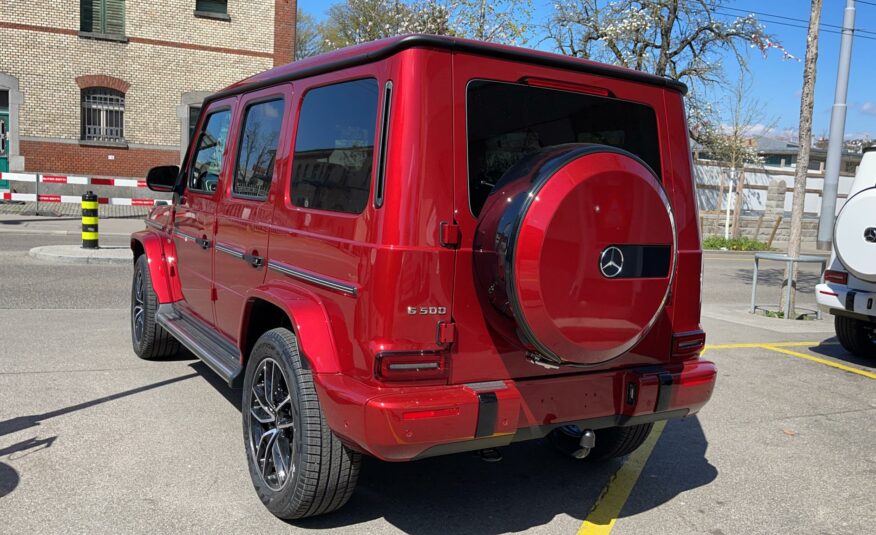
column 428, row 245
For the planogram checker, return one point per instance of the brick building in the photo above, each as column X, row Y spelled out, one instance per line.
column 111, row 87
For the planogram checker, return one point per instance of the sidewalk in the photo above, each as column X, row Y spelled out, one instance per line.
column 68, row 225
column 105, row 211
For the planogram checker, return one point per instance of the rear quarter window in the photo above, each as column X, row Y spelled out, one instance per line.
column 508, row 121
column 334, row 147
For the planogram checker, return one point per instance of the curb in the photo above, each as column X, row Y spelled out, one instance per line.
column 71, row 254
column 56, row 232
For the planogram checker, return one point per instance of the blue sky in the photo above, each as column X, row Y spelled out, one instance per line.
column 776, row 83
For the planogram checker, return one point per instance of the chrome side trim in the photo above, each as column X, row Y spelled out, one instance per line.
column 184, row 235
column 153, row 224
column 318, row 280
column 228, row 250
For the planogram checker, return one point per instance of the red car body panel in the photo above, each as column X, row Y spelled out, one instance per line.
column 376, row 266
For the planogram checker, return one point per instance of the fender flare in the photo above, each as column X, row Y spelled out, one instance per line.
column 309, row 320
column 161, row 256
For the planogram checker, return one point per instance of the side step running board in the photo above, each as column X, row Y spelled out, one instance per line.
column 202, row 340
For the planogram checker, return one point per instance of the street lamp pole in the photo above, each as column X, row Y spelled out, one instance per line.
column 837, row 132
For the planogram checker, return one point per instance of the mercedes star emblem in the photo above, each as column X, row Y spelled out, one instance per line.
column 611, row 262
column 870, row 234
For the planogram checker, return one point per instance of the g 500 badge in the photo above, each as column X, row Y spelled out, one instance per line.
column 426, row 311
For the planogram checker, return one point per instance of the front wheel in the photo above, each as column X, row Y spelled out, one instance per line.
column 611, row 442
column 298, row 467
column 856, row 336
column 149, row 339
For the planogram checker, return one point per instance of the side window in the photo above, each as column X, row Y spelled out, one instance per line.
column 207, row 160
column 334, row 149
column 258, row 148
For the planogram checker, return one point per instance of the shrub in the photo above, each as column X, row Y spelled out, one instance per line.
column 734, row 244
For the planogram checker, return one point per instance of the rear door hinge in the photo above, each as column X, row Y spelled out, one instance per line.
column 448, row 234
column 445, row 334
column 214, row 295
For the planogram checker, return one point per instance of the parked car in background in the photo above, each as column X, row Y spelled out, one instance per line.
column 427, row 245
column 848, row 288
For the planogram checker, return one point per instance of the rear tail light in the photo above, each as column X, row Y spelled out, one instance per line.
column 420, row 366
column 839, row 277
column 689, row 344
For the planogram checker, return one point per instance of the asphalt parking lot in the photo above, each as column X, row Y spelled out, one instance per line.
column 94, row 440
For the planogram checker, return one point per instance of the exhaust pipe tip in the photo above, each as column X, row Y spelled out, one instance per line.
column 587, row 443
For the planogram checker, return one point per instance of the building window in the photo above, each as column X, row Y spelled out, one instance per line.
column 103, row 115
column 211, row 6
column 102, row 17
column 194, row 112
column 334, row 149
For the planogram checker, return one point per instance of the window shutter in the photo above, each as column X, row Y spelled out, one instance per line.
column 114, row 14
column 91, row 15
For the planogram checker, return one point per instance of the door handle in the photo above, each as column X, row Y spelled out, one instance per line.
column 203, row 242
column 253, row 260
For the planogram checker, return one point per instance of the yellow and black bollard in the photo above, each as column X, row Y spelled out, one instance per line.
column 89, row 221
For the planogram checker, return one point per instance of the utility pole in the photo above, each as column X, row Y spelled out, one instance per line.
column 837, row 131
column 807, row 102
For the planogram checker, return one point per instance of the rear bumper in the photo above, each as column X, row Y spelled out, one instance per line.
column 839, row 299
column 404, row 423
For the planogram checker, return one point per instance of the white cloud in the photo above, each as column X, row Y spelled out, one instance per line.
column 868, row 108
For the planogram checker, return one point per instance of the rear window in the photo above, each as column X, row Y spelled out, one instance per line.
column 508, row 121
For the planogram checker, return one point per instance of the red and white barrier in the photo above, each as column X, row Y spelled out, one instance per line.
column 76, row 199
column 79, row 180
column 66, row 179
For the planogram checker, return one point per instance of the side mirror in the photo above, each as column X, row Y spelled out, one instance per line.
column 162, row 178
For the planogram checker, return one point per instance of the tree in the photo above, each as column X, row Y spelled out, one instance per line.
column 807, row 102
column 308, row 41
column 680, row 39
column 497, row 21
column 732, row 142
column 359, row 21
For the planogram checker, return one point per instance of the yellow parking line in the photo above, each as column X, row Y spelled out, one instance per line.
column 608, row 506
column 865, row 373
column 761, row 344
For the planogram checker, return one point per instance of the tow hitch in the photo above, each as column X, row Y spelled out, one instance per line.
column 587, row 442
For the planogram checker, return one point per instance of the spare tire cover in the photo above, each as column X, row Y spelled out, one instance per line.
column 575, row 252
column 855, row 235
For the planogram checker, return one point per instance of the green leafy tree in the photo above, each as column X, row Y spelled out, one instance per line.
column 308, row 41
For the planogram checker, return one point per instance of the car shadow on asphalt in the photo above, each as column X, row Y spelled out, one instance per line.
column 775, row 278
column 532, row 484
column 831, row 348
column 527, row 489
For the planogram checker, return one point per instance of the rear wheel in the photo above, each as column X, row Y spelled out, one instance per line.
column 298, row 467
column 149, row 339
column 856, row 336
column 611, row 442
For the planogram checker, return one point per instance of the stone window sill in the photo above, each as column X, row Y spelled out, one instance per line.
column 212, row 15
column 103, row 144
column 104, row 37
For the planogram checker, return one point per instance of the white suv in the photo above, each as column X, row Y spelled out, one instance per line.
column 848, row 288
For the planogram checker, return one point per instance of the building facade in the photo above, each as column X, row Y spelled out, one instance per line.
column 112, row 87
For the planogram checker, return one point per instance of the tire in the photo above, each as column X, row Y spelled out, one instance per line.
column 320, row 473
column 149, row 339
column 856, row 336
column 611, row 442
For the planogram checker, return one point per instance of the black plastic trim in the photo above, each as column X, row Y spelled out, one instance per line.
column 384, row 141
column 455, row 45
column 664, row 393
column 850, row 300
column 488, row 411
column 853, row 315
